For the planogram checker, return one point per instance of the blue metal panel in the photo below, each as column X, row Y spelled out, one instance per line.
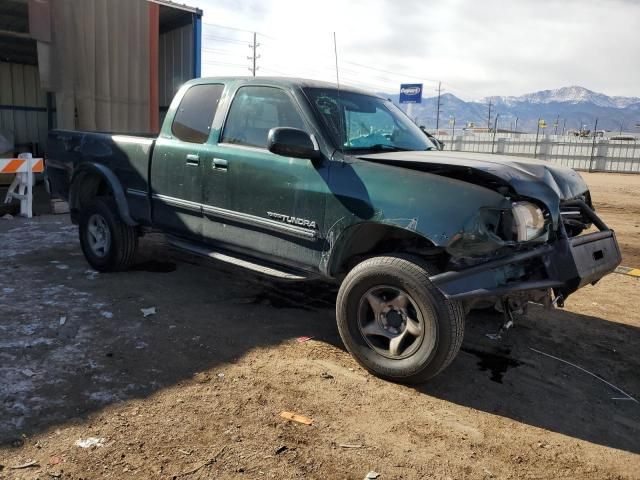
column 197, row 44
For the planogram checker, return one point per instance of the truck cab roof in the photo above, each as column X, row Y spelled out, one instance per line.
column 285, row 82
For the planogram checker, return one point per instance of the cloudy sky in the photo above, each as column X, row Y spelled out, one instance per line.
column 476, row 48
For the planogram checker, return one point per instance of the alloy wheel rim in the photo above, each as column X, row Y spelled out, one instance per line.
column 98, row 235
column 391, row 323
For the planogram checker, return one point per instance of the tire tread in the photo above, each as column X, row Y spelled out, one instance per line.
column 420, row 271
column 124, row 237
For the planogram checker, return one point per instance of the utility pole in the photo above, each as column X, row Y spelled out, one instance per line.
column 438, row 108
column 593, row 146
column 489, row 117
column 564, row 125
column 495, row 129
column 515, row 128
column 535, row 148
column 555, row 131
column 254, row 46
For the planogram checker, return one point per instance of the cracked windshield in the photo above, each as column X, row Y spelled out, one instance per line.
column 360, row 122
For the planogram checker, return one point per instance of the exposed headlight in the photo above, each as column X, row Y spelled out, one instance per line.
column 528, row 221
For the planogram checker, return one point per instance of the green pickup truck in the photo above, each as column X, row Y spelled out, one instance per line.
column 298, row 179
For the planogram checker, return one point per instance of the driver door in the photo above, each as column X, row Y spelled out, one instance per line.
column 277, row 203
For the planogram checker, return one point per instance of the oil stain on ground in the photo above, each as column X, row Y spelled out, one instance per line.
column 495, row 363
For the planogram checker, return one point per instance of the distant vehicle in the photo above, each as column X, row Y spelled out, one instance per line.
column 297, row 179
column 579, row 133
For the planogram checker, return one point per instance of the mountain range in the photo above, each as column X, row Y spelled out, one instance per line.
column 572, row 108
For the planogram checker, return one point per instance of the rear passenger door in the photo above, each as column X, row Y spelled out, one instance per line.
column 276, row 203
column 179, row 157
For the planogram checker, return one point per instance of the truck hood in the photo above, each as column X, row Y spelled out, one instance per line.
column 529, row 178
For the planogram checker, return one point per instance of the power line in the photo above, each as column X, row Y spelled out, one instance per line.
column 379, row 70
column 229, row 64
column 327, row 73
column 409, row 75
column 317, row 74
column 220, row 52
column 223, row 39
column 463, row 90
column 399, row 75
column 299, row 71
column 389, row 77
column 279, row 72
column 214, row 25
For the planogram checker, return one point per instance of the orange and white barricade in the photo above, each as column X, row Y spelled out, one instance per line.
column 22, row 186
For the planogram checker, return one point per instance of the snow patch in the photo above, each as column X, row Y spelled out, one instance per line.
column 90, row 442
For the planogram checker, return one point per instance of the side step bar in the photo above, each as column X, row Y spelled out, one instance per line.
column 231, row 258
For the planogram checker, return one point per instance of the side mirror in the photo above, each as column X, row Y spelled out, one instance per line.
column 292, row 142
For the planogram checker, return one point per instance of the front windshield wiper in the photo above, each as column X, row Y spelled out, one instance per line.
column 384, row 147
column 380, row 147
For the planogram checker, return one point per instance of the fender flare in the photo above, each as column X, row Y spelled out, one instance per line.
column 362, row 234
column 110, row 178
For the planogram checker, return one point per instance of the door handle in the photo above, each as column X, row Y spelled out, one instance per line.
column 193, row 160
column 220, row 163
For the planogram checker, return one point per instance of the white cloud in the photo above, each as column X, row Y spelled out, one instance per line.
column 477, row 48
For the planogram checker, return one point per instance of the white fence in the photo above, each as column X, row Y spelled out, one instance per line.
column 593, row 155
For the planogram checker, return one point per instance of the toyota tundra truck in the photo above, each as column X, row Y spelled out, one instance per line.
column 298, row 180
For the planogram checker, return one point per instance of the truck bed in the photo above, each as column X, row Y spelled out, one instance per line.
column 69, row 153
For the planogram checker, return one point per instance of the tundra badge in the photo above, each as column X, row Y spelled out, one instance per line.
column 303, row 222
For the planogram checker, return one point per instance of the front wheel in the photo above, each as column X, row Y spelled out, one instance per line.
column 395, row 322
column 108, row 244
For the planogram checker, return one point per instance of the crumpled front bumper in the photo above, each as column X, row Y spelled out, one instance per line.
column 564, row 265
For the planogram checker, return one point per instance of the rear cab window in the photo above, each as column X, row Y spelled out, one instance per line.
column 256, row 110
column 193, row 119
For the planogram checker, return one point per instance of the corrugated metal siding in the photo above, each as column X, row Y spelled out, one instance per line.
column 20, row 87
column 176, row 62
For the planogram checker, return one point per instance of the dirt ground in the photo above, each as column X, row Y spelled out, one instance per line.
column 195, row 391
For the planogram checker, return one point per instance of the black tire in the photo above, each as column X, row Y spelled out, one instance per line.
column 120, row 251
column 444, row 318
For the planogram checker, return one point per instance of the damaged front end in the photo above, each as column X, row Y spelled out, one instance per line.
column 511, row 257
column 493, row 231
column 531, row 244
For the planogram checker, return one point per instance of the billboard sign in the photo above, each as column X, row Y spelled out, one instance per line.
column 411, row 93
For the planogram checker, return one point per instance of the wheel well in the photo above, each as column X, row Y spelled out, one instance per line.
column 85, row 188
column 375, row 239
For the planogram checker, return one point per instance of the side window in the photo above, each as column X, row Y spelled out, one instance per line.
column 193, row 119
column 255, row 111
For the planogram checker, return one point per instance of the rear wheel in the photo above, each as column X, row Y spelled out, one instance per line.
column 395, row 322
column 107, row 242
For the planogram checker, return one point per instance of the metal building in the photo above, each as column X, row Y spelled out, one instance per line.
column 107, row 65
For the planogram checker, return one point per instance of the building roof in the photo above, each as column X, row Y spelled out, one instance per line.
column 176, row 5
